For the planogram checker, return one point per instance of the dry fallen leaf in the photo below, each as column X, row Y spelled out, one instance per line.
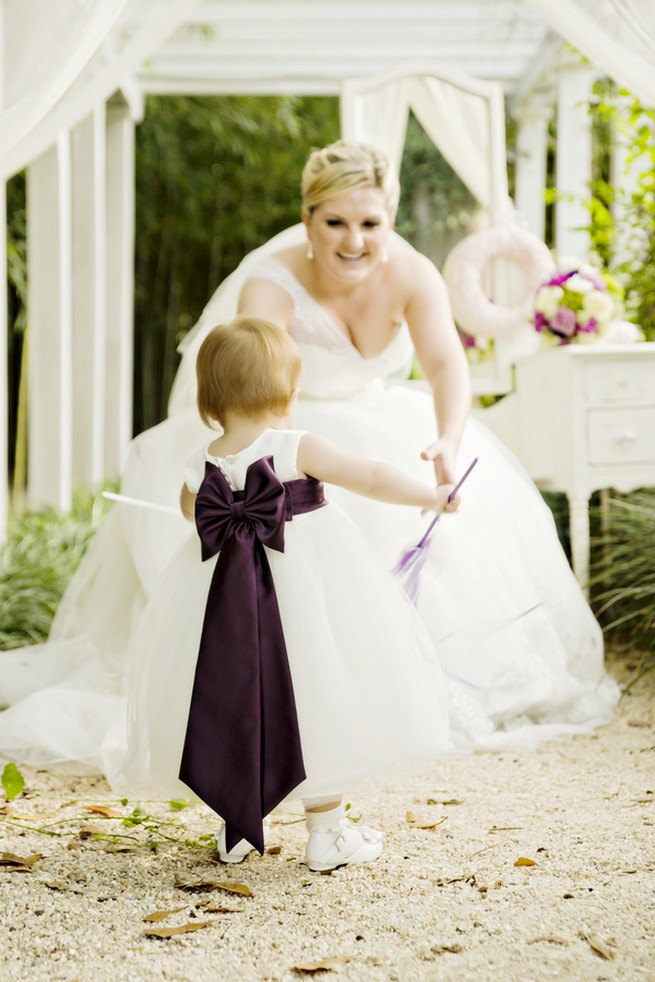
column 274, row 850
column 600, row 947
column 170, row 932
column 522, row 861
column 211, row 908
column 19, row 864
column 239, row 888
column 161, row 915
column 104, row 810
column 326, row 965
column 423, row 823
column 61, row 885
column 446, row 949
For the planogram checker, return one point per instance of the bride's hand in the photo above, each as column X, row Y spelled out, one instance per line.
column 442, row 456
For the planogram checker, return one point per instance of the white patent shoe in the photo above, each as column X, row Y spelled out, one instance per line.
column 348, row 843
column 239, row 852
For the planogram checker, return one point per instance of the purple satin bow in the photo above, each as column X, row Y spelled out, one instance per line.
column 242, row 753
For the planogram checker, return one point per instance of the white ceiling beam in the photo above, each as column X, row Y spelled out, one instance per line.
column 540, row 71
column 222, row 11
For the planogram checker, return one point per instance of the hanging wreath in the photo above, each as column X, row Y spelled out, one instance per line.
column 466, row 273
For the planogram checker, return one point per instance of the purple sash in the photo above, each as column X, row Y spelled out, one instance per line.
column 242, row 753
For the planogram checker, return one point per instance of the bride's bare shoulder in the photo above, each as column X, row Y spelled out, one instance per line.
column 292, row 257
column 410, row 265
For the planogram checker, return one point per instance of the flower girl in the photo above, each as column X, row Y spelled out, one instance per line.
column 288, row 661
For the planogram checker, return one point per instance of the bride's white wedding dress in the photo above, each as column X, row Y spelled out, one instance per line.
column 520, row 647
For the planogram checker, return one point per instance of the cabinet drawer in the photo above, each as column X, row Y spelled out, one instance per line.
column 627, row 380
column 621, row 436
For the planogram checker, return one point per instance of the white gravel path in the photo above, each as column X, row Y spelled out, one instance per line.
column 441, row 903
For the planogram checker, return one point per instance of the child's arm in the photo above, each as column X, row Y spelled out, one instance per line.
column 188, row 503
column 325, row 461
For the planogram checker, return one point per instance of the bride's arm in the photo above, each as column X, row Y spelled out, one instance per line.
column 443, row 362
column 265, row 299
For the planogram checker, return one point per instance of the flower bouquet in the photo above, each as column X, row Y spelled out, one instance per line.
column 578, row 304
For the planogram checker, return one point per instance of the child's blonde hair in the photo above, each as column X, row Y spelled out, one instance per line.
column 248, row 367
column 345, row 166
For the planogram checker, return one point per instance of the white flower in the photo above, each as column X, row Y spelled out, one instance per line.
column 567, row 263
column 547, row 300
column 621, row 332
column 579, row 284
column 598, row 305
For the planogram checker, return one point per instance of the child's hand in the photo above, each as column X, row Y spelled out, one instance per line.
column 443, row 503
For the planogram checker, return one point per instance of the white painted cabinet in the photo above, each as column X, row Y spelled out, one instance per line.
column 581, row 419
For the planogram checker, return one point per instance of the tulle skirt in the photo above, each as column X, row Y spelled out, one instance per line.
column 369, row 691
column 519, row 646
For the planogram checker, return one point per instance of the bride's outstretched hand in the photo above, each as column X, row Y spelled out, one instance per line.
column 442, row 456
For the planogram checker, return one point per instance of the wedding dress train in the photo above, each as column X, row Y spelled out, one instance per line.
column 521, row 650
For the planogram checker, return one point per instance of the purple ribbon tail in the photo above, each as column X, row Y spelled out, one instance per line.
column 242, row 752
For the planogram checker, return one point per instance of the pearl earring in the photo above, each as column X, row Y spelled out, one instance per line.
column 310, row 251
column 385, row 255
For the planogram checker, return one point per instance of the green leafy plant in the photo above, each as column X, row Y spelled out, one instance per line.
column 12, row 781
column 622, row 221
column 37, row 559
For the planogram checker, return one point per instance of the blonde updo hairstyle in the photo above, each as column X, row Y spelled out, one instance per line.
column 345, row 166
column 247, row 367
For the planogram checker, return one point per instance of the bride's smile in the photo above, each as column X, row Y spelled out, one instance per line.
column 349, row 232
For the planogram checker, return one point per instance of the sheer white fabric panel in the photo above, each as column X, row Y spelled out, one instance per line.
column 617, row 35
column 74, row 56
column 458, row 124
column 46, row 46
column 380, row 117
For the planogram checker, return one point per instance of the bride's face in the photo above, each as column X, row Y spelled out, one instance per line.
column 349, row 232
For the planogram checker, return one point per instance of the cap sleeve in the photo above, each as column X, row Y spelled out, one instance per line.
column 194, row 473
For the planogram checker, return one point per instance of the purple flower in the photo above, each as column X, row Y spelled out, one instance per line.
column 539, row 321
column 561, row 278
column 563, row 323
column 590, row 326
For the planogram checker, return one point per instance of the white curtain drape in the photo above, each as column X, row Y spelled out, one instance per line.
column 380, row 117
column 458, row 120
column 60, row 59
column 616, row 35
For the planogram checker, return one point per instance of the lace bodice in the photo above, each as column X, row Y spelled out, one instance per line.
column 333, row 367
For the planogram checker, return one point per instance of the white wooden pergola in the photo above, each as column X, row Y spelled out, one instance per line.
column 74, row 77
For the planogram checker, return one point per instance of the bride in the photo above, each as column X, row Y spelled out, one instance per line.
column 521, row 649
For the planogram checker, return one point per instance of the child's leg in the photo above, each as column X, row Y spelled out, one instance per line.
column 333, row 839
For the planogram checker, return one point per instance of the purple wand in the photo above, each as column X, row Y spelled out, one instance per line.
column 412, row 561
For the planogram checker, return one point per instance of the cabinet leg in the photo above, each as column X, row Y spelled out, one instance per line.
column 579, row 524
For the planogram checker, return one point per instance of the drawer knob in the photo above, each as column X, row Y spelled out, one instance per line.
column 626, row 438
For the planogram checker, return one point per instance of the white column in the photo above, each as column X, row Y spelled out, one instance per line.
column 531, row 163
column 4, row 385
column 50, row 305
column 84, row 298
column 120, row 282
column 4, row 339
column 100, row 292
column 573, row 159
column 65, row 184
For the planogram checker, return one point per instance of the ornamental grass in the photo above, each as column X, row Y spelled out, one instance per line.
column 622, row 580
column 37, row 559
